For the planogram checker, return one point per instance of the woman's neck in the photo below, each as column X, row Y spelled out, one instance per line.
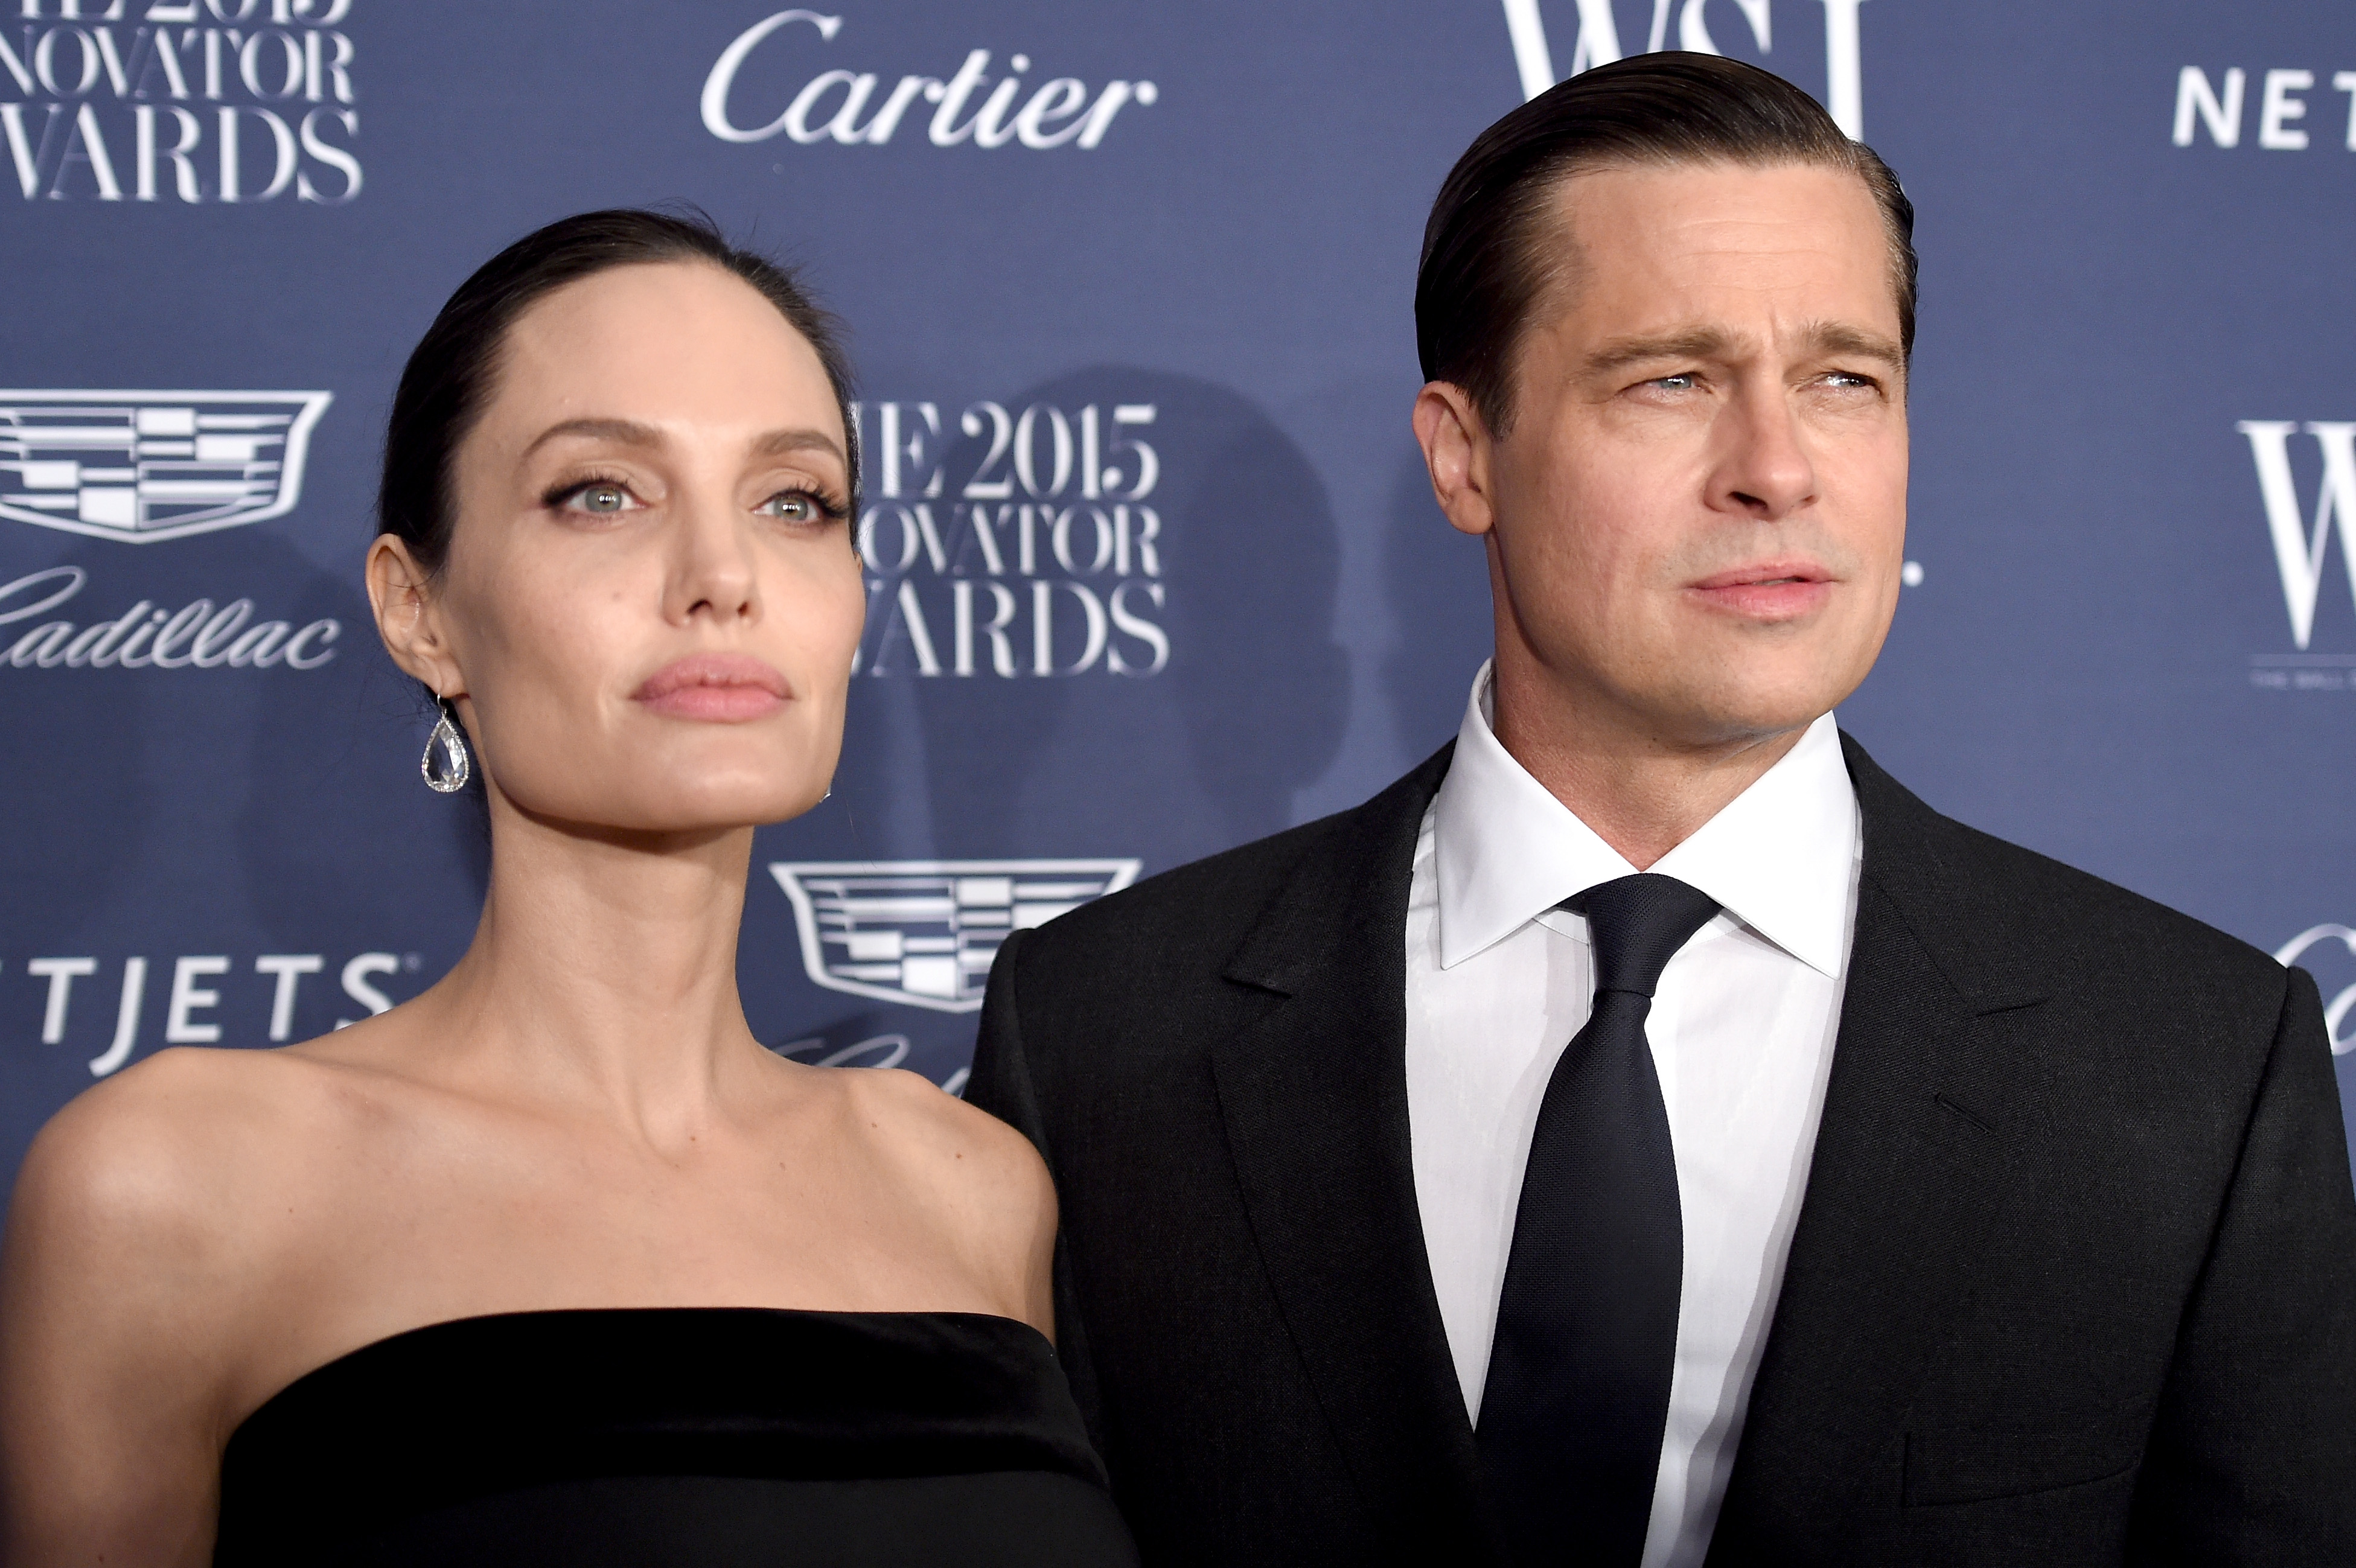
column 603, row 976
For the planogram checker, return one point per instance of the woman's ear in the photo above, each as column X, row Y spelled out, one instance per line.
column 407, row 616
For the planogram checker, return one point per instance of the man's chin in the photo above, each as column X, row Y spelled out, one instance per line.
column 1735, row 720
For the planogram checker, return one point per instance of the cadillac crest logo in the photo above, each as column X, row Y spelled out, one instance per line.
column 143, row 466
column 922, row 933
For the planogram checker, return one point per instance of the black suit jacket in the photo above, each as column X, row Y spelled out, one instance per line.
column 2073, row 1282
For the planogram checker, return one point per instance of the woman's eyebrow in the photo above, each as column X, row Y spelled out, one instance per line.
column 778, row 442
column 629, row 433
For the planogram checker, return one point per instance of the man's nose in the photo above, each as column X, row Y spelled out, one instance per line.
column 1765, row 470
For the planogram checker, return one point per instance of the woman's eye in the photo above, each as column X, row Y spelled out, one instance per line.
column 793, row 507
column 600, row 500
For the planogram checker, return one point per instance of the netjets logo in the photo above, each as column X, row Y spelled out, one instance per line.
column 1596, row 41
column 143, row 467
column 2302, row 538
column 922, row 933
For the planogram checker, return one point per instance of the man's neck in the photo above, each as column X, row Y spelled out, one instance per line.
column 1640, row 793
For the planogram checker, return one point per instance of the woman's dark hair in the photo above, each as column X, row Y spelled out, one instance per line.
column 449, row 376
column 1485, row 250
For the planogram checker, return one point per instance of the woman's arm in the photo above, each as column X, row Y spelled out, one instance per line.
column 114, row 1282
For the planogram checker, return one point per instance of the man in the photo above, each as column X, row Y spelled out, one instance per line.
column 1647, row 1132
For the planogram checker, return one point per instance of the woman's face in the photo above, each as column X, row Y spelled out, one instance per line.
column 650, row 602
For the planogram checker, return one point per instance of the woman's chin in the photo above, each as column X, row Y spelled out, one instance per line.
column 687, row 811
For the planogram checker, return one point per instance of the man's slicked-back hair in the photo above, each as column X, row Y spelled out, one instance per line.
column 1490, row 250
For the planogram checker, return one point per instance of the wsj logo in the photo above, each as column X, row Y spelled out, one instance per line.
column 2335, row 1011
column 211, row 101
column 143, row 466
column 2299, row 545
column 1041, row 556
column 968, row 106
column 1598, row 42
column 923, row 933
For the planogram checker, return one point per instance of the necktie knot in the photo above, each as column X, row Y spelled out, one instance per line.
column 1635, row 925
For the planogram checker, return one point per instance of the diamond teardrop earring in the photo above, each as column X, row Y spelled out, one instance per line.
column 450, row 741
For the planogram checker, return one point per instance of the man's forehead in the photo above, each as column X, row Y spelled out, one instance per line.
column 1655, row 249
column 1594, row 203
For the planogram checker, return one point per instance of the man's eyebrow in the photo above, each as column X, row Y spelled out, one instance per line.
column 1619, row 353
column 630, row 433
column 1839, row 337
column 1710, row 343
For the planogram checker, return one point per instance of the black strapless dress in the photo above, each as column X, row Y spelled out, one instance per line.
column 695, row 1437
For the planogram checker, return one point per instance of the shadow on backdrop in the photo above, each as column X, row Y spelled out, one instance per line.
column 1240, row 573
column 1255, row 574
column 78, row 787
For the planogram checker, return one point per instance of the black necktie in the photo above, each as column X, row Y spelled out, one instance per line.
column 1578, row 1392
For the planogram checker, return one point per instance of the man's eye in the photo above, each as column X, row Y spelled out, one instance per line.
column 1683, row 381
column 1848, row 379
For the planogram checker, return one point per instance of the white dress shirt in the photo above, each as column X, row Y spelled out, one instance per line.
column 1741, row 1030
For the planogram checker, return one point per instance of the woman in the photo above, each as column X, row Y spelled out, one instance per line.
column 556, row 1264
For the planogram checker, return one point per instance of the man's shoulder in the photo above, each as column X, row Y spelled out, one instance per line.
column 2031, row 913
column 1191, row 919
column 1202, row 903
column 2029, row 882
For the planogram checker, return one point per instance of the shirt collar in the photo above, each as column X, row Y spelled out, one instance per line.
column 1778, row 857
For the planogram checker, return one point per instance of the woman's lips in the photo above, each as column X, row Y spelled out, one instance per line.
column 725, row 688
column 1771, row 591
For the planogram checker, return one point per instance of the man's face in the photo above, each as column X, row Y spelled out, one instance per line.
column 1698, row 516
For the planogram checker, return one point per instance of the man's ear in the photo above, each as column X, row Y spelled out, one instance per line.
column 1456, row 449
column 407, row 616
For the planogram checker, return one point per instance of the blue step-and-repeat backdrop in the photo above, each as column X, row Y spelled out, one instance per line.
column 1153, row 565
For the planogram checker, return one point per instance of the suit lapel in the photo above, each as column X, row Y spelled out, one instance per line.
column 1313, row 1098
column 1925, row 1100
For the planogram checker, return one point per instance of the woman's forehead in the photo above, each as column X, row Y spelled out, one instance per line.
column 662, row 343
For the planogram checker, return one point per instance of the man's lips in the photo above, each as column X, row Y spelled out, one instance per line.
column 1768, row 591
column 727, row 687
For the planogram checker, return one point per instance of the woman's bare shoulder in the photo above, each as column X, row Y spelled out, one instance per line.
column 939, row 1132
column 155, row 1251
column 981, row 1177
column 143, row 1239
column 169, row 1162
